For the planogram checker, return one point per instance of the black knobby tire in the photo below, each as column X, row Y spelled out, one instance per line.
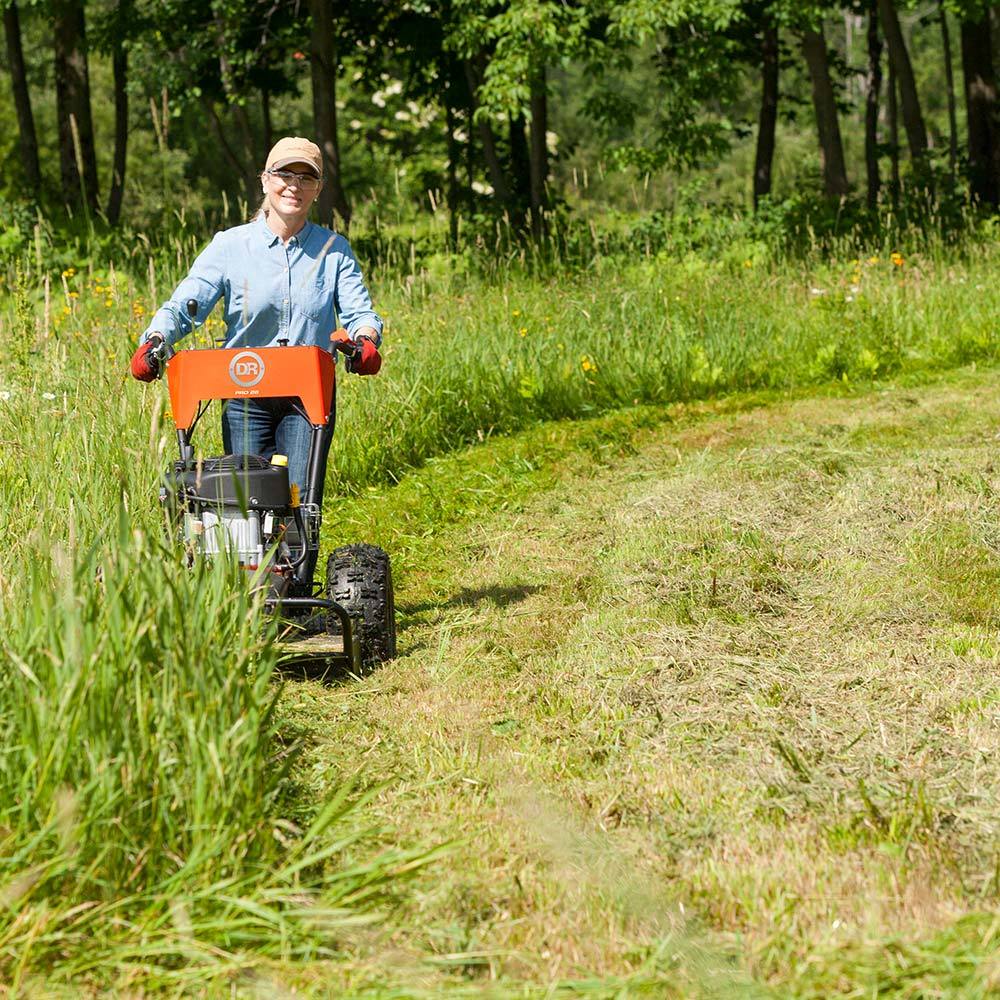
column 359, row 579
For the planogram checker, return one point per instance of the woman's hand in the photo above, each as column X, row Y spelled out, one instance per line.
column 145, row 364
column 366, row 359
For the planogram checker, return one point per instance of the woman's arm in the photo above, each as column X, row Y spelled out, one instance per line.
column 352, row 301
column 205, row 283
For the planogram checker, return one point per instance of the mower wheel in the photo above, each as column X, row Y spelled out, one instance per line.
column 359, row 579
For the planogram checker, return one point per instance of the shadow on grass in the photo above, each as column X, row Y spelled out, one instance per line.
column 325, row 670
column 334, row 671
column 468, row 597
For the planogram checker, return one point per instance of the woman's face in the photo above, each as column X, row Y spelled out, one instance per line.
column 289, row 201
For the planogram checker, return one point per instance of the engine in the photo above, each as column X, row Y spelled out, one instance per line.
column 243, row 505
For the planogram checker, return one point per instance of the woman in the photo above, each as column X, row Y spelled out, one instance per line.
column 281, row 278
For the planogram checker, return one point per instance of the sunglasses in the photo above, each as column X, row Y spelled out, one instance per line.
column 307, row 182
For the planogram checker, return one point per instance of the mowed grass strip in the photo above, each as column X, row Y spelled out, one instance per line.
column 702, row 703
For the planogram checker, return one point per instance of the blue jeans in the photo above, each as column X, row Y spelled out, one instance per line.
column 268, row 427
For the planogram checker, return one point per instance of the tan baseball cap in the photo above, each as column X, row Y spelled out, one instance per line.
column 295, row 149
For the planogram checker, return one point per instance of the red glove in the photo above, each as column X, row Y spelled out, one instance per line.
column 364, row 359
column 145, row 365
column 367, row 361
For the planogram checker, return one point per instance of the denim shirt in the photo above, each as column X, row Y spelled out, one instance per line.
column 271, row 290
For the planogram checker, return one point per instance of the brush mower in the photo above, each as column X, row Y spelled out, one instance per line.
column 245, row 506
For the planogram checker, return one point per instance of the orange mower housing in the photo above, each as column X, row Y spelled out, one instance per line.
column 194, row 376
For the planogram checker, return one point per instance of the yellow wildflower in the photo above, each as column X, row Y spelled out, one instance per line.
column 74, row 295
column 873, row 260
column 69, row 272
column 523, row 331
column 897, row 259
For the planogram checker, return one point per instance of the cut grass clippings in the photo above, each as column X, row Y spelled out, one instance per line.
column 702, row 704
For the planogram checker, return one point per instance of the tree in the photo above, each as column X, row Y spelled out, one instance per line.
column 825, row 105
column 323, row 61
column 913, row 119
column 982, row 109
column 77, row 159
column 113, row 33
column 487, row 138
column 22, row 97
column 699, row 50
column 214, row 68
column 516, row 43
column 768, row 118
column 949, row 79
column 892, row 120
column 872, row 89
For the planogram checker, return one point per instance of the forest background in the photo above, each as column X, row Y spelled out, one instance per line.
column 155, row 117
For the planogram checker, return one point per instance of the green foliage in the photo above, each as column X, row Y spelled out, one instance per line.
column 523, row 36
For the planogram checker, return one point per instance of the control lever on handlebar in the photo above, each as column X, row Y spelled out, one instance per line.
column 160, row 353
column 340, row 341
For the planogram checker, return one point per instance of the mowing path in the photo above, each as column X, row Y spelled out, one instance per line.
column 705, row 697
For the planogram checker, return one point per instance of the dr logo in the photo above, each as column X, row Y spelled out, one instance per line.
column 246, row 369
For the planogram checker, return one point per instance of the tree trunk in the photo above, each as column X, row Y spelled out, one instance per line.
column 76, row 128
column 520, row 162
column 22, row 99
column 768, row 118
column 238, row 113
column 949, row 78
column 250, row 153
column 825, row 105
column 254, row 162
column 500, row 187
column 892, row 114
column 539, row 150
column 470, row 155
column 119, row 65
column 874, row 85
column 323, row 60
column 452, row 146
column 981, row 110
column 228, row 152
column 913, row 120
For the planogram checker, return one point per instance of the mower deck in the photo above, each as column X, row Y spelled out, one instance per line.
column 312, row 645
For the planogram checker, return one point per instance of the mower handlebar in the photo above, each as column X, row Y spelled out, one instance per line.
column 159, row 354
column 348, row 348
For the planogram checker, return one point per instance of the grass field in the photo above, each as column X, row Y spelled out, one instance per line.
column 693, row 696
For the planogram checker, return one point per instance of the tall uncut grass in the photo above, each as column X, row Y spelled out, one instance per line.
column 148, row 825
column 147, row 807
column 467, row 357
